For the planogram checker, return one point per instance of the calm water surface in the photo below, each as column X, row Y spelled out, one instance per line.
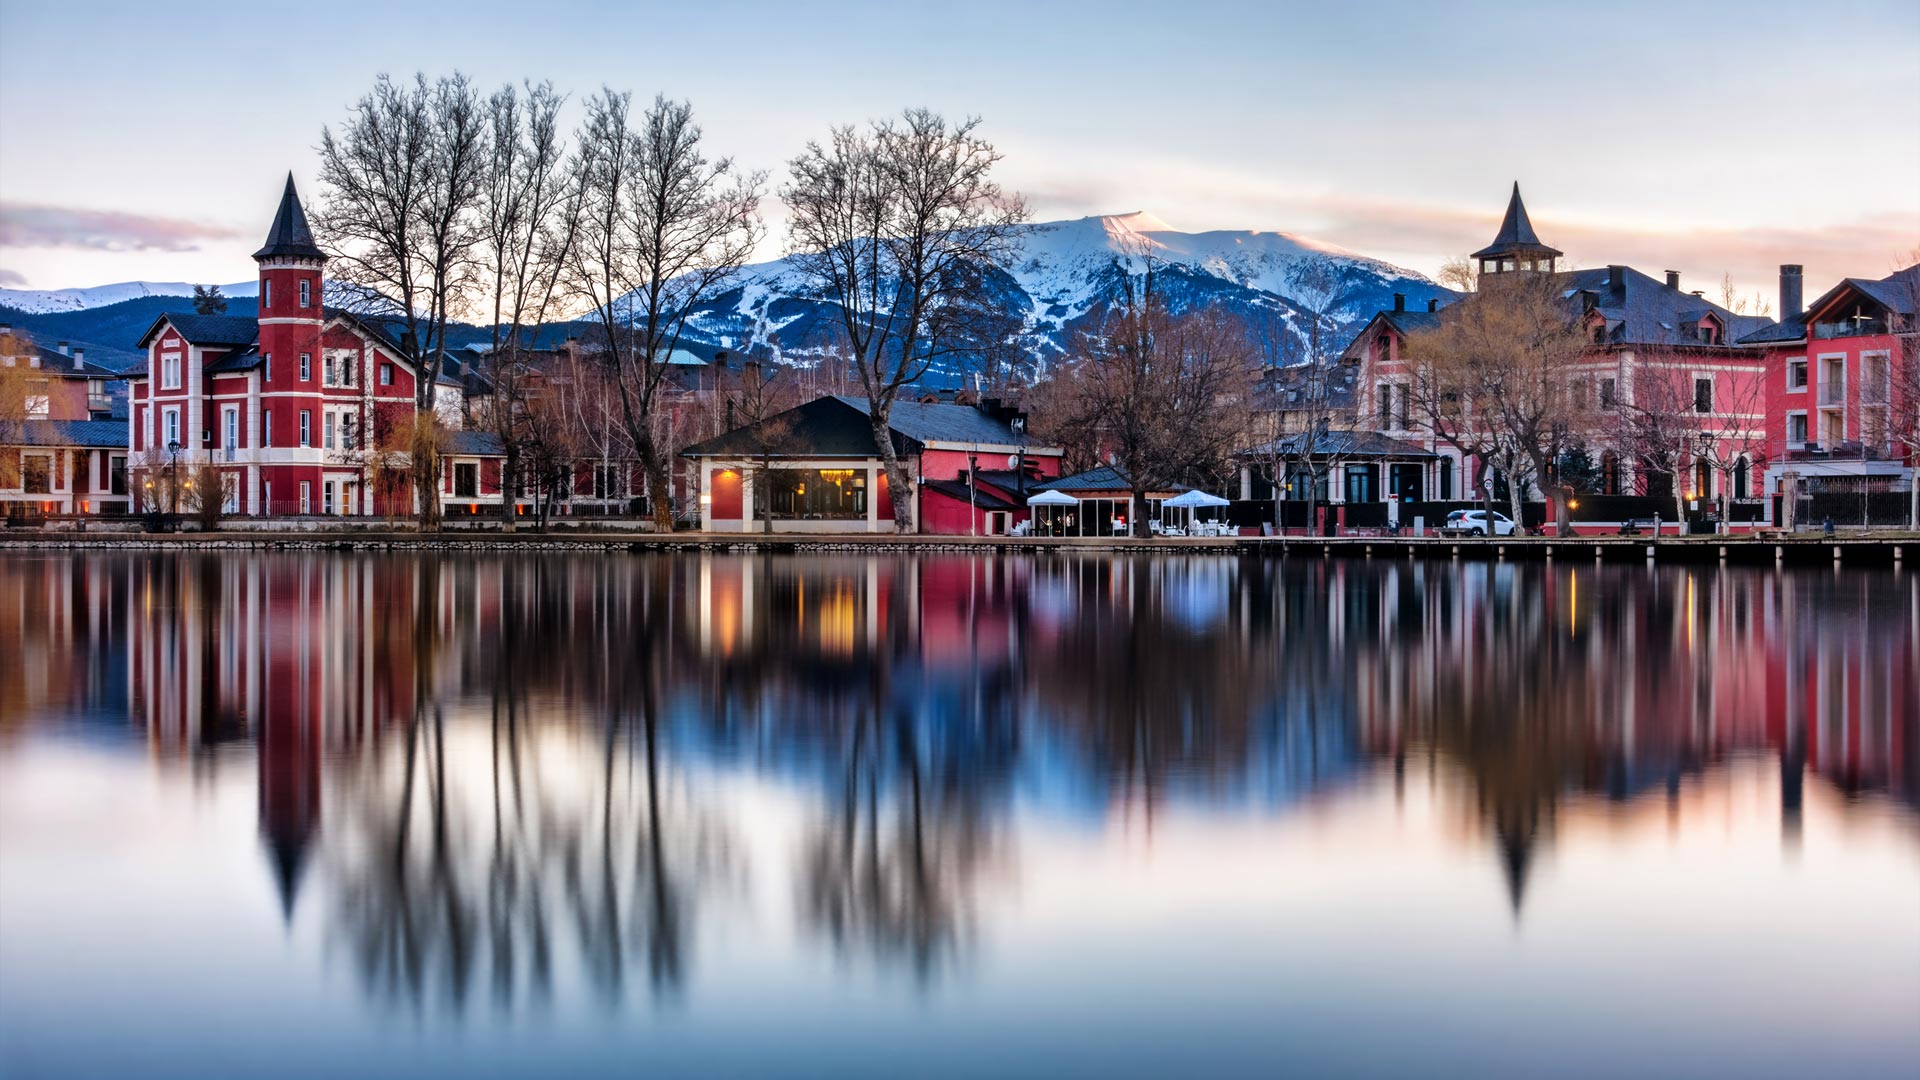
column 335, row 815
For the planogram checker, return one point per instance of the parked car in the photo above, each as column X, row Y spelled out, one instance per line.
column 1474, row 523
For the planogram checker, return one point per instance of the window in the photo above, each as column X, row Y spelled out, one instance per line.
column 1796, row 375
column 1361, row 483
column 116, row 474
column 38, row 403
column 326, row 428
column 346, row 369
column 326, row 497
column 824, row 494
column 1384, row 395
column 326, row 371
column 306, row 427
column 466, row 480
column 386, row 374
column 609, row 481
column 172, row 421
column 1797, row 427
column 306, row 367
column 1579, row 389
column 306, row 495
column 306, row 293
column 233, row 430
column 266, row 364
column 266, row 294
column 1703, row 394
column 36, row 474
column 1609, row 393
column 266, row 427
column 170, row 371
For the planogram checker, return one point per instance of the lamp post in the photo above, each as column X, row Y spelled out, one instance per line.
column 973, row 493
column 173, row 482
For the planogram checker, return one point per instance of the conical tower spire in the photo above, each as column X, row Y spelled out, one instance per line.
column 1517, row 242
column 290, row 237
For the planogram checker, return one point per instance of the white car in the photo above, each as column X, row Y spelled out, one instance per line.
column 1474, row 523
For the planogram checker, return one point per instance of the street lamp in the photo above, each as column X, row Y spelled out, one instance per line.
column 173, row 483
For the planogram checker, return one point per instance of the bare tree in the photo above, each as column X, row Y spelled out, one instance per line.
column 1499, row 368
column 896, row 226
column 531, row 218
column 1164, row 398
column 1903, row 412
column 401, row 216
column 662, row 228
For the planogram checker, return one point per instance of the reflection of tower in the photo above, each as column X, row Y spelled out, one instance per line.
column 289, row 783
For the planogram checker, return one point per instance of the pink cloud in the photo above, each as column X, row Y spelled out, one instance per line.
column 33, row 226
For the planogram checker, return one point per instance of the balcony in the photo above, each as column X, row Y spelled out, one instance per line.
column 1833, row 392
column 99, row 403
column 1850, row 328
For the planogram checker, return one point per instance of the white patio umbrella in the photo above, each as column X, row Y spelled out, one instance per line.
column 1053, row 498
column 1194, row 500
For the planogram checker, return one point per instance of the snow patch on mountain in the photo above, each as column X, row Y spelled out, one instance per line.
column 45, row 301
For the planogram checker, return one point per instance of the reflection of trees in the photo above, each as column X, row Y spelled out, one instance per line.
column 453, row 877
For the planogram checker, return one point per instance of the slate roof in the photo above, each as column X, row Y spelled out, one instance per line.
column 925, row 423
column 1099, row 478
column 473, row 444
column 1516, row 233
column 983, row 497
column 1641, row 310
column 243, row 360
column 1783, row 332
column 838, row 426
column 1895, row 291
column 55, row 362
column 1342, row 443
column 289, row 236
column 229, row 330
column 90, row 433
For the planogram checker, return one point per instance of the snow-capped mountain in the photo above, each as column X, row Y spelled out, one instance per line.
column 46, row 301
column 1068, row 272
column 1064, row 279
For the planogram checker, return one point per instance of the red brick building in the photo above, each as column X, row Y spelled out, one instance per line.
column 1841, row 382
column 290, row 406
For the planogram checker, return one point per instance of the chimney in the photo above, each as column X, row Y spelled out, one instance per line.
column 1673, row 280
column 62, row 347
column 1399, row 301
column 1701, row 293
column 79, row 357
column 1433, row 303
column 1791, row 306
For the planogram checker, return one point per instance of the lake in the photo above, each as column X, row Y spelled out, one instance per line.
column 1056, row 814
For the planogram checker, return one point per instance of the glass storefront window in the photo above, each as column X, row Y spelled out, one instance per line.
column 820, row 494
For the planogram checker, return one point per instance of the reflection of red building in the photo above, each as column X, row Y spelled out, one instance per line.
column 302, row 656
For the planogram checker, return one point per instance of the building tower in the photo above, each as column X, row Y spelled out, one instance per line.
column 292, row 269
column 1517, row 250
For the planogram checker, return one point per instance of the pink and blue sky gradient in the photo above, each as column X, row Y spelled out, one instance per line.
column 148, row 141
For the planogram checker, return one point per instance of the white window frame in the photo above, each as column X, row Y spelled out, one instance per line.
column 1806, row 374
column 170, row 426
column 231, row 415
column 326, row 429
column 266, row 293
column 306, row 293
column 306, row 428
column 1805, row 428
column 170, row 371
column 386, row 374
column 306, row 367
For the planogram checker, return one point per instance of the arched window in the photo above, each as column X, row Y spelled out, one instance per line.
column 1742, row 469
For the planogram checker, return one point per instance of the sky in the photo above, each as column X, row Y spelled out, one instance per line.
column 143, row 141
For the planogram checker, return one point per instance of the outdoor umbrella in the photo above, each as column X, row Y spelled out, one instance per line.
column 1194, row 500
column 1053, row 498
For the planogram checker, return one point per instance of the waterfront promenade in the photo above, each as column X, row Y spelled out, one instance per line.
column 1885, row 549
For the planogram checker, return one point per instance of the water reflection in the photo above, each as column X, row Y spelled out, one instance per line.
column 495, row 777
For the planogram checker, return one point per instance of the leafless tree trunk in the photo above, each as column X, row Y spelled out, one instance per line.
column 894, row 225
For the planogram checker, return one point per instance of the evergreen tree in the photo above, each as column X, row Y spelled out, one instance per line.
column 208, row 300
